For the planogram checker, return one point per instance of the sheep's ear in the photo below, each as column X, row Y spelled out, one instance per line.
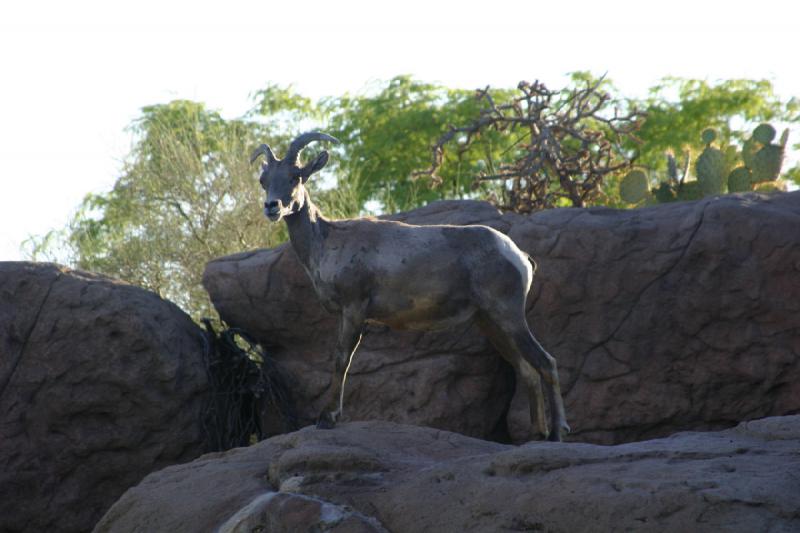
column 315, row 166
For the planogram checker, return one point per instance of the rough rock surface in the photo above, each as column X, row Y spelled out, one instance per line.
column 101, row 383
column 380, row 476
column 674, row 317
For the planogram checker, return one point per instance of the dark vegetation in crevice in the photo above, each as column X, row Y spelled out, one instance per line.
column 245, row 385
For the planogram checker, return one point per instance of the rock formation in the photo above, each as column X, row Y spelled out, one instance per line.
column 667, row 318
column 380, row 476
column 101, row 383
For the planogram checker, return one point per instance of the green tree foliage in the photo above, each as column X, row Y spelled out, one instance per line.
column 387, row 136
column 276, row 105
column 187, row 192
column 185, row 196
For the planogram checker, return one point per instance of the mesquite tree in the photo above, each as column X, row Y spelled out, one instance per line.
column 563, row 144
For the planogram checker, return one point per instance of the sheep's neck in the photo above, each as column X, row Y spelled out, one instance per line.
column 307, row 229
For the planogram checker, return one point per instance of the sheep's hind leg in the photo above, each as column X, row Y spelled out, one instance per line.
column 513, row 336
column 545, row 364
column 535, row 396
column 350, row 333
column 526, row 375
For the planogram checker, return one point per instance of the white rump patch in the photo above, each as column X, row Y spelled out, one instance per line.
column 518, row 258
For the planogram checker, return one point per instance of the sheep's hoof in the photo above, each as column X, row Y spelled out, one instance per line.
column 541, row 433
column 326, row 421
column 557, row 436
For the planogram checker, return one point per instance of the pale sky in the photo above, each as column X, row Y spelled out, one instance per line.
column 75, row 74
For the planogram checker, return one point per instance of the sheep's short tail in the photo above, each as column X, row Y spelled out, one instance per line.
column 533, row 264
column 529, row 296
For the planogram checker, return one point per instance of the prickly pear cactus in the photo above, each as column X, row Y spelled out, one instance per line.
column 784, row 137
column 709, row 135
column 731, row 158
column 634, row 187
column 767, row 163
column 764, row 133
column 710, row 167
column 749, row 150
column 739, row 180
column 763, row 158
column 719, row 169
column 690, row 190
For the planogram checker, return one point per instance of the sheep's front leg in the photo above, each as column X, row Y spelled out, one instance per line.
column 351, row 328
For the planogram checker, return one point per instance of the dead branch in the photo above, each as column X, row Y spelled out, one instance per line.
column 572, row 142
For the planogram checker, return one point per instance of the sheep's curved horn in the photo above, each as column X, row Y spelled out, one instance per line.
column 263, row 149
column 302, row 140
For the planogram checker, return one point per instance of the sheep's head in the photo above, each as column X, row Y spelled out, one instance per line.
column 283, row 180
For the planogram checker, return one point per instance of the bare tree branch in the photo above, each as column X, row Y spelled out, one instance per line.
column 573, row 143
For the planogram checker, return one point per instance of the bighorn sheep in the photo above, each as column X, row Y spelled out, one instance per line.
column 409, row 277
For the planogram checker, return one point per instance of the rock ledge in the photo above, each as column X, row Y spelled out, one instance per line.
column 379, row 476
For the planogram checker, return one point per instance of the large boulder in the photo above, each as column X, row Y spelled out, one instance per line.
column 667, row 318
column 380, row 476
column 101, row 383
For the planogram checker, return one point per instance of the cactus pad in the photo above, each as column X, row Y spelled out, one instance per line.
column 709, row 135
column 764, row 133
column 784, row 137
column 633, row 188
column 739, row 180
column 767, row 163
column 710, row 170
column 749, row 150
